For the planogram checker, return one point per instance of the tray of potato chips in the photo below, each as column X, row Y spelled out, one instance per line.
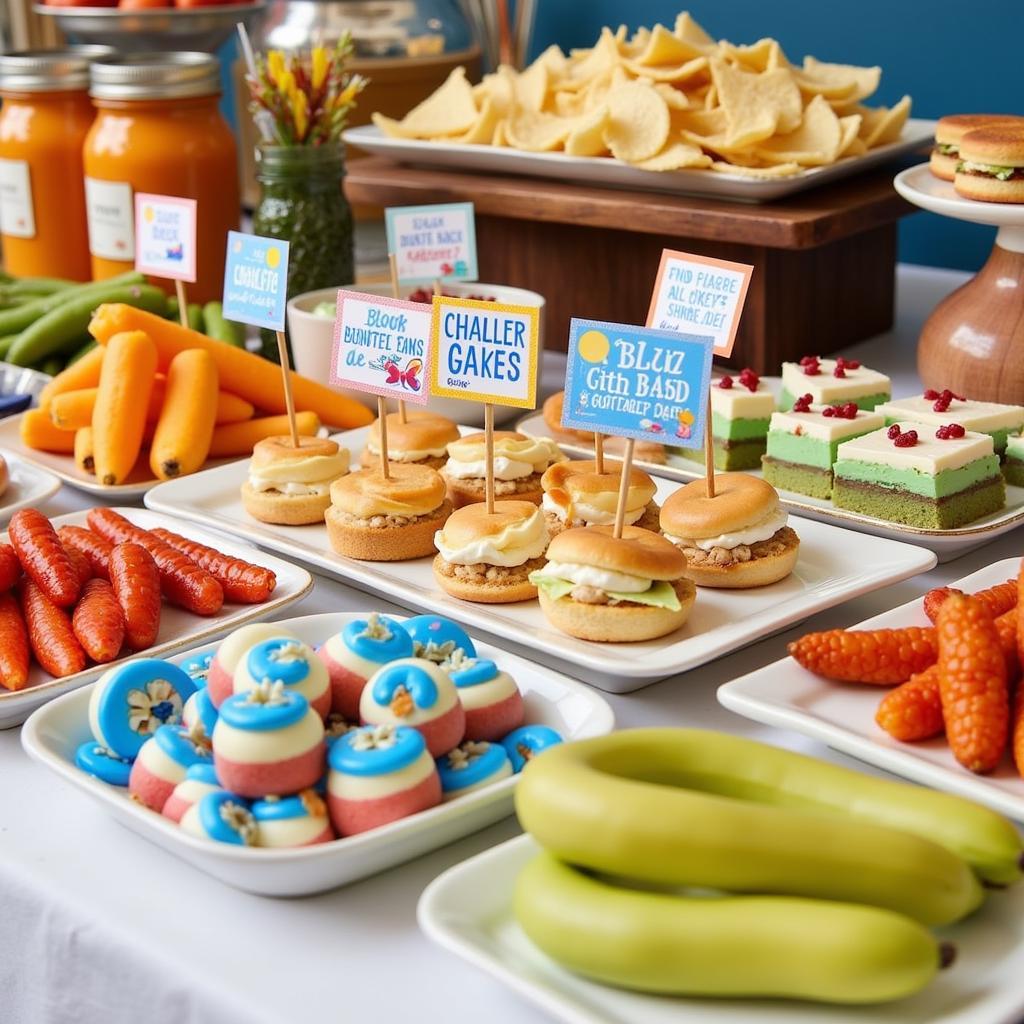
column 664, row 109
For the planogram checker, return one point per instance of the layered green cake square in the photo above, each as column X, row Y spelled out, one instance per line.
column 830, row 382
column 997, row 420
column 936, row 483
column 739, row 425
column 801, row 447
column 1013, row 463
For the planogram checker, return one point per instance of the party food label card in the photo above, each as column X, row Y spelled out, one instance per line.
column 433, row 243
column 485, row 351
column 382, row 346
column 165, row 236
column 256, row 280
column 697, row 293
column 637, row 382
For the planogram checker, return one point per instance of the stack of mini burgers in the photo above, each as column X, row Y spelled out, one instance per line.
column 982, row 154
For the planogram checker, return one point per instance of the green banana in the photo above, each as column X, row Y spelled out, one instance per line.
column 769, row 946
column 695, row 808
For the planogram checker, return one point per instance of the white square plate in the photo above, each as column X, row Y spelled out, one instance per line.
column 468, row 911
column 835, row 566
column 53, row 734
column 178, row 628
column 843, row 714
column 29, row 486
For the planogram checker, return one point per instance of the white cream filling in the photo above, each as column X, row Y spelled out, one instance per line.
column 504, row 469
column 311, row 475
column 407, row 455
column 584, row 512
column 291, row 489
column 254, row 746
column 343, row 786
column 515, row 545
column 762, row 530
column 602, row 579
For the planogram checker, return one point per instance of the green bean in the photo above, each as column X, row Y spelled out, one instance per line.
column 220, row 329
column 173, row 313
column 5, row 344
column 14, row 320
column 195, row 316
column 52, row 366
column 57, row 328
column 83, row 351
column 35, row 286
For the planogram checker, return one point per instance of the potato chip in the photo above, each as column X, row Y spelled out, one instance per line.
column 603, row 56
column 500, row 138
column 865, row 79
column 587, row 137
column 690, row 32
column 887, row 125
column 838, row 90
column 666, row 49
column 499, row 87
column 814, row 143
column 848, row 129
column 637, row 42
column 388, row 125
column 711, row 101
column 757, row 106
column 483, row 131
column 681, row 73
column 536, row 132
column 531, row 87
column 554, row 60
column 448, row 111
column 674, row 157
column 638, row 122
column 777, row 171
column 674, row 98
column 703, row 123
column 764, row 55
column 568, row 104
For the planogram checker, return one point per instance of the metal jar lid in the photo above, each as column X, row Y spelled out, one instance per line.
column 155, row 76
column 49, row 70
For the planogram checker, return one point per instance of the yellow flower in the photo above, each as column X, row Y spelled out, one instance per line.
column 300, row 112
column 348, row 94
column 275, row 65
column 320, row 66
column 286, row 84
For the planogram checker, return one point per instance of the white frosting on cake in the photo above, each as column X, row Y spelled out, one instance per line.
column 828, row 389
column 930, row 455
column 251, row 746
column 977, row 416
column 825, row 428
column 738, row 402
column 482, row 695
column 373, row 787
column 373, row 713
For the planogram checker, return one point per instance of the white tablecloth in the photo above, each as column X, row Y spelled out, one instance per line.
column 97, row 925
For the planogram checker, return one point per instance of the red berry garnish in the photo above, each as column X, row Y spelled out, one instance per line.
column 810, row 366
column 906, row 440
column 849, row 411
column 930, row 395
column 749, row 379
column 849, row 364
column 804, row 360
column 893, row 431
column 950, row 431
column 725, row 382
column 802, row 404
column 829, row 411
column 839, row 371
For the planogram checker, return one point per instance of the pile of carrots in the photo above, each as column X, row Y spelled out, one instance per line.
column 74, row 595
column 158, row 399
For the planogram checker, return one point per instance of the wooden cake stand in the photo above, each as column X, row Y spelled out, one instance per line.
column 973, row 342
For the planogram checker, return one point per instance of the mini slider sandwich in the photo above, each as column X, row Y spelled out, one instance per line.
column 599, row 587
column 575, row 494
column 991, row 167
column 423, row 439
column 951, row 129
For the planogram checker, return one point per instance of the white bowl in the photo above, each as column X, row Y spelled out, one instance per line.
column 312, row 337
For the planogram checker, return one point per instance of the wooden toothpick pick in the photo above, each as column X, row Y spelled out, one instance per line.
column 382, row 419
column 289, row 400
column 599, row 452
column 179, row 290
column 709, row 453
column 489, row 456
column 627, row 472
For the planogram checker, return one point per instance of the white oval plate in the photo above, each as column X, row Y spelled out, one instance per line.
column 29, row 486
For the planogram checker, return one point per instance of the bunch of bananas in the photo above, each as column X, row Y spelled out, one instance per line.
column 685, row 862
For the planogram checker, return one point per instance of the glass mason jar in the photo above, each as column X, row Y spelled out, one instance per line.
column 301, row 201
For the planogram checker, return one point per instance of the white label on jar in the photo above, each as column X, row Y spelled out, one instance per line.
column 110, row 210
column 17, row 216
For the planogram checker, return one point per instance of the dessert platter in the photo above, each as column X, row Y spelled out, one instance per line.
column 376, row 802
column 833, row 564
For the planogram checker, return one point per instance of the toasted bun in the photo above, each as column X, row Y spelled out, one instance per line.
column 5, row 476
column 284, row 509
column 580, row 481
column 280, row 449
column 637, row 552
column 989, row 190
column 472, row 491
column 472, row 522
column 410, row 489
column 552, row 412
column 999, row 144
column 758, row 572
column 943, row 165
column 421, row 430
column 949, row 130
column 740, row 501
column 643, row 451
column 384, row 543
column 609, row 623
column 502, row 590
column 499, row 435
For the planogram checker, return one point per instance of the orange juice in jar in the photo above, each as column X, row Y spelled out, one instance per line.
column 45, row 117
column 158, row 129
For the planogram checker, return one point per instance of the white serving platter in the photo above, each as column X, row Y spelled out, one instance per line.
column 835, row 565
column 612, row 173
column 947, row 544
column 843, row 714
column 53, row 734
column 29, row 486
column 468, row 911
column 178, row 628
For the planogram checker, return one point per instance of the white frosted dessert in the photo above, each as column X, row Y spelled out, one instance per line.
column 993, row 418
column 833, row 382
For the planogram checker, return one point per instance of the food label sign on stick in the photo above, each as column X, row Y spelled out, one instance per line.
column 484, row 351
column 165, row 236
column 382, row 346
column 700, row 294
column 637, row 382
column 256, row 280
column 433, row 243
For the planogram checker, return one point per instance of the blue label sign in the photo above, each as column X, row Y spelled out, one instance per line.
column 256, row 280
column 637, row 382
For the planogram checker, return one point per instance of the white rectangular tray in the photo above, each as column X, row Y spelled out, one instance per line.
column 178, row 628
column 54, row 732
column 468, row 911
column 835, row 566
column 611, row 173
column 29, row 486
column 947, row 544
column 843, row 714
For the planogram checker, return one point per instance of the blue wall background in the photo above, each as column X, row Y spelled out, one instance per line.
column 950, row 57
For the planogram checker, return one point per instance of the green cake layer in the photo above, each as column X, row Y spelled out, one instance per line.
column 900, row 506
column 1013, row 470
column 787, row 476
column 941, row 485
column 731, row 455
column 866, row 402
column 803, row 449
column 998, row 436
column 739, row 429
